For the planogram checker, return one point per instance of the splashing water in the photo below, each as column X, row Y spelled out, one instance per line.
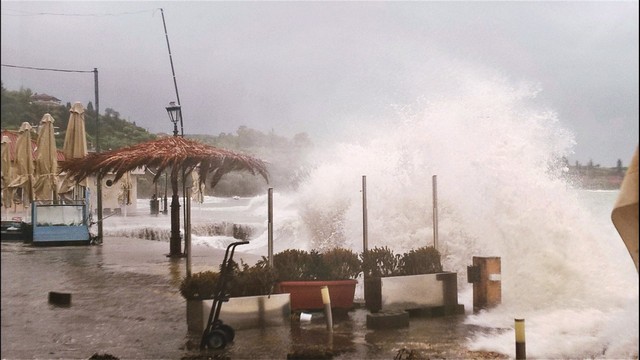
column 501, row 192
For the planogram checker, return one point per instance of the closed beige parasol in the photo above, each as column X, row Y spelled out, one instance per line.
column 46, row 164
column 23, row 180
column 75, row 147
column 7, row 173
column 625, row 211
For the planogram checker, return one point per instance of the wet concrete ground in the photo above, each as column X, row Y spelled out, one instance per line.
column 125, row 302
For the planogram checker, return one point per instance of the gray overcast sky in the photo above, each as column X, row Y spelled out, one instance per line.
column 311, row 67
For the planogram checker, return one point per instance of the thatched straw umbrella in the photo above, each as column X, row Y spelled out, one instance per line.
column 174, row 154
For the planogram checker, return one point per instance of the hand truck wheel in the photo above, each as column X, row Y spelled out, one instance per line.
column 217, row 339
column 230, row 334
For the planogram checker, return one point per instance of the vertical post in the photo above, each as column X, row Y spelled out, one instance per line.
column 365, row 231
column 166, row 184
column 270, row 227
column 99, row 178
column 487, row 290
column 184, row 201
column 173, row 72
column 175, row 247
column 435, row 210
column 326, row 301
column 187, row 231
column 521, row 351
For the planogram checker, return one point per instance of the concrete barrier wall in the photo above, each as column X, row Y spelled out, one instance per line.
column 243, row 312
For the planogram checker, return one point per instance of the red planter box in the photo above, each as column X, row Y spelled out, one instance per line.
column 306, row 295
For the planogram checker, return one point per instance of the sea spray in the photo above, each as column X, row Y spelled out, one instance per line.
column 501, row 192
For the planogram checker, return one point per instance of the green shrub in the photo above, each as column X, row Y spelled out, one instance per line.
column 301, row 265
column 199, row 286
column 380, row 261
column 294, row 265
column 252, row 280
column 424, row 260
column 340, row 264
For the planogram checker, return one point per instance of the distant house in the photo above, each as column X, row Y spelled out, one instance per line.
column 44, row 99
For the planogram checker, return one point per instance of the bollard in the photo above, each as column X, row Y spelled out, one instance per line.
column 521, row 351
column 326, row 300
column 485, row 274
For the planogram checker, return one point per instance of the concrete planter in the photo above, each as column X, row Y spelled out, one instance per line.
column 433, row 293
column 244, row 312
column 306, row 295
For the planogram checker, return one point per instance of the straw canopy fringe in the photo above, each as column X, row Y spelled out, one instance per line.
column 172, row 152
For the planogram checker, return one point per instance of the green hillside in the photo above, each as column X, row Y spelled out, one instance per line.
column 20, row 106
column 285, row 157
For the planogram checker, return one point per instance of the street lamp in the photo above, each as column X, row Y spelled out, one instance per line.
column 175, row 115
column 175, row 247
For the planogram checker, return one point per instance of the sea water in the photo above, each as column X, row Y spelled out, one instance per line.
column 501, row 191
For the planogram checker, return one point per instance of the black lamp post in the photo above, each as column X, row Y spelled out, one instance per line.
column 175, row 115
column 175, row 247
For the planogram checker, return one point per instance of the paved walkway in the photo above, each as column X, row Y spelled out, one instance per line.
column 125, row 302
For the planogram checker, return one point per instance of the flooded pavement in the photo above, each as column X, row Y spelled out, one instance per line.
column 125, row 302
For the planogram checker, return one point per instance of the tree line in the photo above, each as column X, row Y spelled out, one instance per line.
column 285, row 157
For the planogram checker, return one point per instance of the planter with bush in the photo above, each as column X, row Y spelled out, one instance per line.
column 303, row 274
column 250, row 300
column 413, row 281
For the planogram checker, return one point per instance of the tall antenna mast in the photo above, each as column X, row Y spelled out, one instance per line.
column 173, row 72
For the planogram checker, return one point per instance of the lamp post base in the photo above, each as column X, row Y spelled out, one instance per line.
column 175, row 246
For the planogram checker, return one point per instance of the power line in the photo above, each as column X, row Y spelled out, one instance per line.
column 24, row 13
column 47, row 69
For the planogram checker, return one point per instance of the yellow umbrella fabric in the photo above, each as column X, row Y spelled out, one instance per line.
column 7, row 173
column 24, row 165
column 75, row 147
column 124, row 197
column 197, row 188
column 75, row 140
column 46, row 166
column 625, row 212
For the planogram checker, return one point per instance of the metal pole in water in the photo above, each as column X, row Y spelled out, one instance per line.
column 326, row 300
column 98, row 177
column 270, row 227
column 435, row 211
column 365, row 234
column 173, row 72
column 521, row 352
column 187, row 231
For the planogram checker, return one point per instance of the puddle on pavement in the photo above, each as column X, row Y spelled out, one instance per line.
column 350, row 340
column 132, row 309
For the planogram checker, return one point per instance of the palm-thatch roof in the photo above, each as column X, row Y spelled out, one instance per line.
column 174, row 153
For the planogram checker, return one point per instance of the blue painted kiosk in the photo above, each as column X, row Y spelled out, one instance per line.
column 60, row 223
